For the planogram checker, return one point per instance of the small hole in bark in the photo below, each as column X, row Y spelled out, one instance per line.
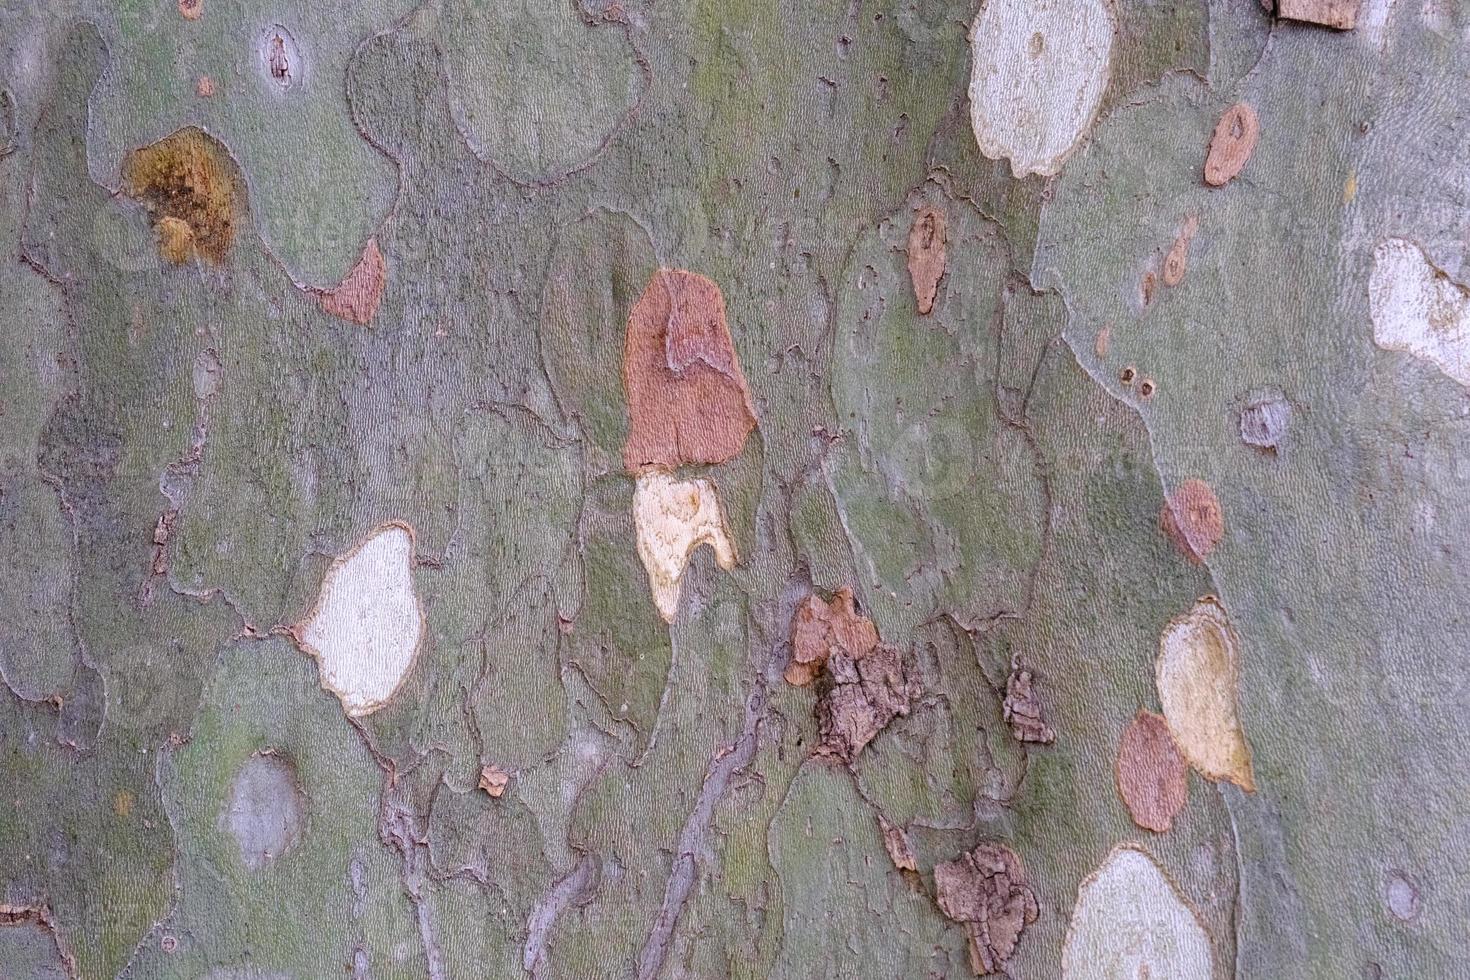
column 280, row 56
column 1146, row 388
column 1036, row 45
column 1127, row 375
column 169, row 943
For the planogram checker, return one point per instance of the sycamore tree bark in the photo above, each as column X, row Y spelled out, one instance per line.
column 734, row 489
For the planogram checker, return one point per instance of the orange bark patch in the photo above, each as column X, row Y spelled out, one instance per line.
column 355, row 299
column 819, row 629
column 686, row 393
column 1153, row 779
column 188, row 182
column 1232, row 144
column 1192, row 519
column 494, row 780
column 926, row 256
column 191, row 9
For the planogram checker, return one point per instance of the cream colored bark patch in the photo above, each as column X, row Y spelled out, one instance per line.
column 673, row 518
column 1197, row 670
column 1037, row 78
column 367, row 623
column 1130, row 923
column 1417, row 308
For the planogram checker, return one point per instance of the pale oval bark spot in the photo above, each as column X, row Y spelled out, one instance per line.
column 1416, row 308
column 1197, row 671
column 1037, row 79
column 367, row 623
column 673, row 517
column 266, row 812
column 1130, row 922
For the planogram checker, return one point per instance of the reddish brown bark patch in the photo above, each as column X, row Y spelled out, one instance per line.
column 819, row 629
column 857, row 698
column 356, row 298
column 1193, row 520
column 1022, row 709
column 204, row 88
column 686, row 393
column 191, row 9
column 1153, row 779
column 1177, row 261
column 494, row 780
column 1232, row 144
column 1340, row 14
column 986, row 890
column 927, row 255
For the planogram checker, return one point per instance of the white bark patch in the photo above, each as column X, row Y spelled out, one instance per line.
column 1416, row 308
column 1037, row 79
column 673, row 518
column 367, row 623
column 1197, row 669
column 1130, row 922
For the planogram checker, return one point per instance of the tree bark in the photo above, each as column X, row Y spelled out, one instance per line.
column 1071, row 398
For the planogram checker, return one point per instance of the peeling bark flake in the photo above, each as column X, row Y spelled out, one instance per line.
column 1197, row 673
column 857, row 698
column 688, row 398
column 986, row 890
column 1153, row 780
column 896, row 843
column 494, row 780
column 673, row 517
column 356, row 298
column 1022, row 709
column 1192, row 519
column 367, row 624
column 1339, row 14
column 1232, row 144
column 819, row 629
column 927, row 256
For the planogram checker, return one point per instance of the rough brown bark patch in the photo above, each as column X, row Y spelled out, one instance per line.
column 1022, row 709
column 985, row 888
column 857, row 698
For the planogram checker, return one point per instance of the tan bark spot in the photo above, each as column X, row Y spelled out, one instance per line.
column 927, row 255
column 687, row 396
column 1177, row 261
column 1339, row 14
column 1232, row 144
column 1152, row 777
column 191, row 9
column 896, row 843
column 204, row 88
column 819, row 629
column 673, row 517
column 1197, row 674
column 355, row 299
column 1193, row 520
column 986, row 890
column 494, row 780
